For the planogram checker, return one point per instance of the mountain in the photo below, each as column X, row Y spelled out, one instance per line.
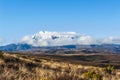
column 103, row 48
column 16, row 47
column 46, row 38
column 65, row 40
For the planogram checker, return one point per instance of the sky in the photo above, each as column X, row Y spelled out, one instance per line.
column 97, row 18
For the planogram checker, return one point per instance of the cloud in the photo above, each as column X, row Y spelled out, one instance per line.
column 2, row 41
column 86, row 40
column 45, row 38
column 112, row 40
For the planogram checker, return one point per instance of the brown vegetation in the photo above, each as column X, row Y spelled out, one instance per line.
column 57, row 67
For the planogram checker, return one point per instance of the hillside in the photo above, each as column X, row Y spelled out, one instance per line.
column 103, row 48
column 17, row 66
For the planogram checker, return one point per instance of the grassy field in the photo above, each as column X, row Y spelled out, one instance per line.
column 17, row 66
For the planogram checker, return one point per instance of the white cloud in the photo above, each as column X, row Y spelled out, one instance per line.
column 86, row 40
column 1, row 41
column 112, row 40
column 45, row 38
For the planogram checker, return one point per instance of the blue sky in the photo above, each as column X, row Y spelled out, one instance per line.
column 98, row 18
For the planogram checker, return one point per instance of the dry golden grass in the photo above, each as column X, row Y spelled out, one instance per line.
column 34, row 67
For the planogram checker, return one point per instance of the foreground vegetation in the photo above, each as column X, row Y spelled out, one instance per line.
column 57, row 67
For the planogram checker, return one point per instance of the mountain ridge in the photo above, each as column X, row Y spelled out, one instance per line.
column 64, row 40
column 108, row 48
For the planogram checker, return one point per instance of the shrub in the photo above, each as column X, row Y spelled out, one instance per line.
column 44, row 78
column 97, row 76
column 109, row 69
column 91, row 75
column 1, row 54
column 0, row 51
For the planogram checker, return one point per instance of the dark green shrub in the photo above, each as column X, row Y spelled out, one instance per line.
column 0, row 51
column 1, row 54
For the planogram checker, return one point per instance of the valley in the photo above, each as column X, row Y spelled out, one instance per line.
column 26, row 66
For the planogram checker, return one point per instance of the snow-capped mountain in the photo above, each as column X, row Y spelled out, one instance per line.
column 45, row 38
column 65, row 40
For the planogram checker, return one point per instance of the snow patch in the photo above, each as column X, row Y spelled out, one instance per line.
column 46, row 38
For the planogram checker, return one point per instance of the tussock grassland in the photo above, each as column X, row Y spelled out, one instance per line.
column 57, row 67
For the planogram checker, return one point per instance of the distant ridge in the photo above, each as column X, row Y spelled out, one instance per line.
column 16, row 47
column 46, row 40
column 111, row 48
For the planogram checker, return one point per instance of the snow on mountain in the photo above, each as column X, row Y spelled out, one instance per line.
column 46, row 38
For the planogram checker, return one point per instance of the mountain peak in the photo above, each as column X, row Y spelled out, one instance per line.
column 54, row 35
column 47, row 38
